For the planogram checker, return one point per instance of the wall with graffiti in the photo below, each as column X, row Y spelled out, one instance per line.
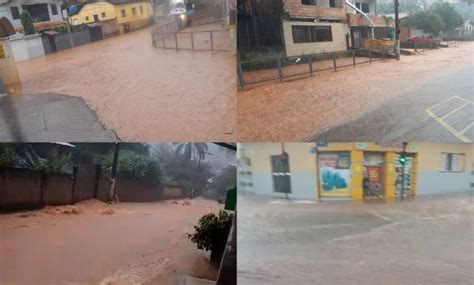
column 335, row 174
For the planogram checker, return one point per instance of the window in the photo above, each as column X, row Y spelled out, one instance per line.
column 332, row 3
column 134, row 11
column 363, row 6
column 452, row 162
column 15, row 13
column 87, row 18
column 54, row 9
column 308, row 2
column 311, row 34
column 103, row 14
column 124, row 14
column 141, row 10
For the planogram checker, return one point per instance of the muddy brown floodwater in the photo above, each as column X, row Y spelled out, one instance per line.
column 141, row 92
column 295, row 110
column 97, row 243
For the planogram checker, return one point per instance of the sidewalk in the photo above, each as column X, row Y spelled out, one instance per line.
column 49, row 117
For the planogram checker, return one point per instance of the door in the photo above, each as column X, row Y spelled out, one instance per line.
column 373, row 175
column 281, row 174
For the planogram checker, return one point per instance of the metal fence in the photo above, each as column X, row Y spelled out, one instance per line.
column 281, row 68
column 213, row 40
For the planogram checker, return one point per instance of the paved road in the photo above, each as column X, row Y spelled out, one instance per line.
column 423, row 241
column 439, row 111
column 49, row 118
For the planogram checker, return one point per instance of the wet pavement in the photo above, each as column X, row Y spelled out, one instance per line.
column 49, row 118
column 440, row 110
column 140, row 92
column 102, row 244
column 300, row 109
column 429, row 240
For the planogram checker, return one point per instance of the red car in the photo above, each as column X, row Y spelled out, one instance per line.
column 423, row 40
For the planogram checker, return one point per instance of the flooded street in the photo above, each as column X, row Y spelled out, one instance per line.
column 422, row 241
column 298, row 109
column 96, row 243
column 143, row 93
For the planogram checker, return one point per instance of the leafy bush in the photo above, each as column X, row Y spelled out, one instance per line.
column 7, row 156
column 27, row 23
column 134, row 166
column 33, row 161
column 211, row 233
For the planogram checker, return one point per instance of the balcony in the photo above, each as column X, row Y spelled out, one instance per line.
column 296, row 9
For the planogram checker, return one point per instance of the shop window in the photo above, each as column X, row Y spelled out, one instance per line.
column 311, row 34
column 452, row 162
column 308, row 2
column 124, row 14
column 364, row 7
column 134, row 11
column 15, row 13
column 54, row 9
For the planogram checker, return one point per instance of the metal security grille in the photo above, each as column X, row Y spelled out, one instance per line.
column 281, row 174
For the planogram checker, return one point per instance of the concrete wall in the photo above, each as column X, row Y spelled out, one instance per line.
column 23, row 187
column 339, row 31
column 431, row 180
column 27, row 47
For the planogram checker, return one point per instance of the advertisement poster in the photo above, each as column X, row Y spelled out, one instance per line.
column 335, row 174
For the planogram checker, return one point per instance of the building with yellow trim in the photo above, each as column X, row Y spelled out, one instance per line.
column 353, row 170
column 115, row 15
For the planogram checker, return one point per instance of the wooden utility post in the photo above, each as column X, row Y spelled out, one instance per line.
column 397, row 31
column 113, row 173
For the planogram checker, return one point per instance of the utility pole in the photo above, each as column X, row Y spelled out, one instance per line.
column 318, row 175
column 403, row 161
column 397, row 31
column 67, row 23
column 113, row 172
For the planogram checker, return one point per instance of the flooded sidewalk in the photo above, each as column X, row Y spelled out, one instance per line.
column 296, row 110
column 140, row 92
column 97, row 243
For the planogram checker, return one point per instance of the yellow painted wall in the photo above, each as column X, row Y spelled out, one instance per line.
column 429, row 154
column 86, row 14
column 129, row 17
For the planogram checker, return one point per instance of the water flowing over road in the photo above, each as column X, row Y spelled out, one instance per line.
column 143, row 93
column 422, row 241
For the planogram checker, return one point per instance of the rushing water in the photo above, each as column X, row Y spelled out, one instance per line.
column 141, row 92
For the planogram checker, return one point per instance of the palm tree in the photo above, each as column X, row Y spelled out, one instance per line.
column 189, row 152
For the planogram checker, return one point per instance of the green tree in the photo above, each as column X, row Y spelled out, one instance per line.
column 27, row 23
column 450, row 17
column 427, row 21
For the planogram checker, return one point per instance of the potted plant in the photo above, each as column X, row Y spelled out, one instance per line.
column 211, row 233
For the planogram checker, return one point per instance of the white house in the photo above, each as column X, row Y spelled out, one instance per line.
column 40, row 10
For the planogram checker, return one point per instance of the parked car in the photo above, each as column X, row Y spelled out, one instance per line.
column 429, row 41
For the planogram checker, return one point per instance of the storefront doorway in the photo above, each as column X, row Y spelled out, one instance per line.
column 373, row 175
column 408, row 182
